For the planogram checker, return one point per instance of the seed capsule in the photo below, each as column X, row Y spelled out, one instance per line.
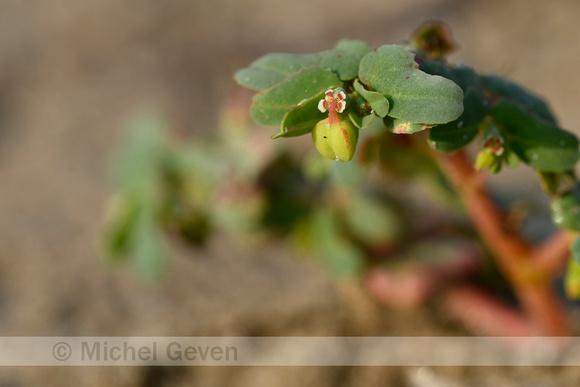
column 336, row 141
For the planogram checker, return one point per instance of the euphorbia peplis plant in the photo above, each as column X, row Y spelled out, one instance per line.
column 410, row 87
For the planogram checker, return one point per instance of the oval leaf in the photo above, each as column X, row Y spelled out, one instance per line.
column 457, row 134
column 361, row 122
column 359, row 46
column 499, row 87
column 271, row 69
column 414, row 96
column 399, row 126
column 464, row 76
column 338, row 254
column 572, row 279
column 372, row 220
column 575, row 248
column 301, row 119
column 536, row 142
column 566, row 210
column 258, row 79
column 270, row 106
column 378, row 102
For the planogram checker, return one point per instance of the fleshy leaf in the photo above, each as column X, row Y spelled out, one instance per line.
column 457, row 134
column 536, row 142
column 361, row 122
column 371, row 220
column 399, row 126
column 575, row 249
column 464, row 76
column 270, row 106
column 378, row 102
column 146, row 245
column 337, row 253
column 414, row 95
column 557, row 183
column 359, row 46
column 122, row 213
column 138, row 164
column 359, row 112
column 301, row 119
column 566, row 210
column 258, row 79
column 271, row 69
column 572, row 279
column 498, row 87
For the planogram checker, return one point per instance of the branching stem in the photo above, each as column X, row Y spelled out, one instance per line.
column 529, row 269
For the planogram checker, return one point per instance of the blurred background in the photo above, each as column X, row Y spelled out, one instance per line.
column 72, row 72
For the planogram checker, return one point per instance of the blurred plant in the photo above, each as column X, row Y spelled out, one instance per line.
column 413, row 89
column 368, row 217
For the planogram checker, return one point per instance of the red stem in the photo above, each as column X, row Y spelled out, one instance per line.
column 523, row 266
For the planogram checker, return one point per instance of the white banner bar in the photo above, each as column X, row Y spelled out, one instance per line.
column 290, row 351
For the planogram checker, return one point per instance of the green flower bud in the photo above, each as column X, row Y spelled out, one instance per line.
column 495, row 151
column 336, row 141
column 486, row 159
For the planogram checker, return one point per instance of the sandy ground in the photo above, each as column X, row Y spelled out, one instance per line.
column 70, row 74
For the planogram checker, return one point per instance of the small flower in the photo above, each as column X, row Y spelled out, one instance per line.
column 334, row 102
column 495, row 152
column 495, row 144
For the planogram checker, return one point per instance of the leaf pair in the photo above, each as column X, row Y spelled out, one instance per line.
column 529, row 125
column 390, row 83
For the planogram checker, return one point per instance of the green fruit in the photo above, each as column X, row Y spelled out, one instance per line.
column 336, row 141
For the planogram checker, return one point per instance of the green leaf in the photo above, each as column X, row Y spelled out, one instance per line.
column 337, row 253
column 138, row 163
column 147, row 247
column 457, row 134
column 258, row 79
column 403, row 159
column 566, row 210
column 572, row 279
column 378, row 102
column 359, row 112
column 512, row 160
column 270, row 106
column 464, row 76
column 347, row 174
column 399, row 126
column 537, row 143
column 414, row 96
column 371, row 220
column 361, row 122
column 271, row 69
column 121, row 218
column 301, row 119
column 557, row 183
column 498, row 87
column 359, row 46
column 575, row 249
